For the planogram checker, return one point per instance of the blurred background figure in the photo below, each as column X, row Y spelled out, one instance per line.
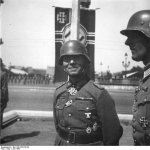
column 4, row 92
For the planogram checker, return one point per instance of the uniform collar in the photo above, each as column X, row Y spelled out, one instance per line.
column 147, row 66
column 79, row 83
column 146, row 72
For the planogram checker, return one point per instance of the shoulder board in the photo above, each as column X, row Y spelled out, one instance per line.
column 98, row 86
column 61, row 85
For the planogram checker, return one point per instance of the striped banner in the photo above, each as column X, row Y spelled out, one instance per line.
column 62, row 34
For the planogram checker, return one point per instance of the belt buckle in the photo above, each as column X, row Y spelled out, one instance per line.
column 71, row 137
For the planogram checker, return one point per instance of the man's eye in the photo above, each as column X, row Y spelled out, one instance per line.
column 66, row 59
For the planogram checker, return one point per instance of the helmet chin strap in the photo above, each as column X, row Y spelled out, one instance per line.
column 78, row 76
column 81, row 72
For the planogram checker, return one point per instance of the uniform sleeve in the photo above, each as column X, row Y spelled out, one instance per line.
column 4, row 92
column 111, row 128
column 54, row 111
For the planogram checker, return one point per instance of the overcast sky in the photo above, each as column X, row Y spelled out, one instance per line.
column 28, row 32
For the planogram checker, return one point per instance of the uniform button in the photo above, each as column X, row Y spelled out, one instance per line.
column 134, row 130
column 87, row 108
column 69, row 115
column 69, row 128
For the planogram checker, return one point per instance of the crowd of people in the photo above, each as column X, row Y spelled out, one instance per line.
column 29, row 79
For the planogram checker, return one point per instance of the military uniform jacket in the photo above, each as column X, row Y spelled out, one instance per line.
column 141, row 111
column 89, row 112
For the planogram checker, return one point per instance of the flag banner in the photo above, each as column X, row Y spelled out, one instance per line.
column 62, row 34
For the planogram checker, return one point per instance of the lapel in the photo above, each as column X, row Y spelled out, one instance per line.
column 146, row 72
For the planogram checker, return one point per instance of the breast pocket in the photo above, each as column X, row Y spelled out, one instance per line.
column 85, row 103
column 147, row 106
column 144, row 108
column 85, row 107
column 59, row 109
column 142, row 98
column 60, row 106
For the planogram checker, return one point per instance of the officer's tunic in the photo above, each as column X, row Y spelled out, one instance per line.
column 141, row 111
column 85, row 114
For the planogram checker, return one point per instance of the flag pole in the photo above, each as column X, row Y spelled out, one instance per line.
column 1, row 42
column 75, row 20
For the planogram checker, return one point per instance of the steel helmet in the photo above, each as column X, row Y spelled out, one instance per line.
column 140, row 21
column 73, row 47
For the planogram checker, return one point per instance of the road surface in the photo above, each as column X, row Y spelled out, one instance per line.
column 41, row 98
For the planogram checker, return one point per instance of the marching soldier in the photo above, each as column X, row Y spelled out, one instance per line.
column 84, row 113
column 138, row 40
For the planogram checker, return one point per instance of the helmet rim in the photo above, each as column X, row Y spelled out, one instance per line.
column 73, row 47
column 127, row 31
column 60, row 62
column 138, row 22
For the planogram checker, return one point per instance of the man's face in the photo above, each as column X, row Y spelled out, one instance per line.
column 137, row 44
column 74, row 65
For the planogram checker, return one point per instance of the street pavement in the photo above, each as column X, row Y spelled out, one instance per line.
column 32, row 132
column 41, row 99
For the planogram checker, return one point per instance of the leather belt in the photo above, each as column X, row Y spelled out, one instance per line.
column 80, row 137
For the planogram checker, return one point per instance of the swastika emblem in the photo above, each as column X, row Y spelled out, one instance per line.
column 82, row 34
column 61, row 17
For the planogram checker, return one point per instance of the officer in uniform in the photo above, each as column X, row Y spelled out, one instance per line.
column 4, row 92
column 84, row 113
column 138, row 39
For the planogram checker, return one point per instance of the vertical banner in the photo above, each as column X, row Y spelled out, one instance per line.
column 62, row 34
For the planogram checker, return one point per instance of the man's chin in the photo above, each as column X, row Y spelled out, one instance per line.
column 136, row 59
column 73, row 74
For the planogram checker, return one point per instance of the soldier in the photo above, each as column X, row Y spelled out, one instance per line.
column 138, row 39
column 84, row 113
column 4, row 92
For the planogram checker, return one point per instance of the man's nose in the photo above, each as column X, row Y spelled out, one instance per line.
column 128, row 41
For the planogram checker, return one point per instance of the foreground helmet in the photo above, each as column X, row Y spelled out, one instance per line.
column 140, row 21
column 73, row 47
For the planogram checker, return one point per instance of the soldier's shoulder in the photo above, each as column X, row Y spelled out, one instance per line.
column 98, row 86
column 60, row 86
column 3, row 75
